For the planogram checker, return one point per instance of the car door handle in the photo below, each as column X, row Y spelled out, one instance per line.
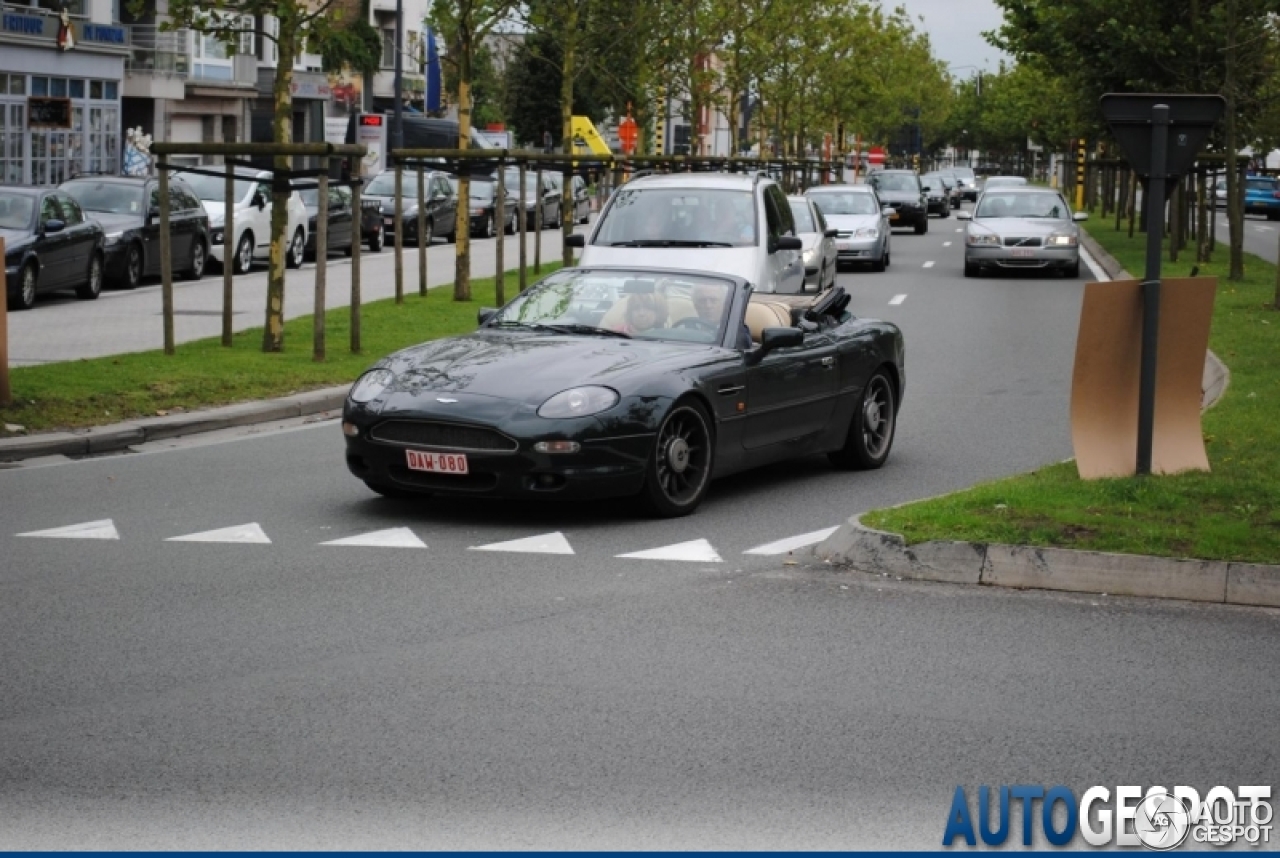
column 729, row 389
column 828, row 362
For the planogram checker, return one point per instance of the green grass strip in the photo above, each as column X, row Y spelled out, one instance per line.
column 202, row 373
column 1231, row 513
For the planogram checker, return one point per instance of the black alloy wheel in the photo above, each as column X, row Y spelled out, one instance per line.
column 679, row 471
column 93, row 286
column 132, row 266
column 199, row 259
column 26, row 297
column 871, row 430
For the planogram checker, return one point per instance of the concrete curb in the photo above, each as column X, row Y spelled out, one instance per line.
column 120, row 436
column 1024, row 567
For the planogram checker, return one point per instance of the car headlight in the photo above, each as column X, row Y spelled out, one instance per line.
column 579, row 402
column 215, row 235
column 866, row 232
column 477, row 212
column 371, row 385
column 810, row 255
column 113, row 238
column 989, row 239
column 1060, row 239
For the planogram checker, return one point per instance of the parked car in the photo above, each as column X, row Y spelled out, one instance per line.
column 968, row 182
column 49, row 244
column 128, row 209
column 1022, row 228
column 861, row 222
column 440, row 214
column 485, row 218
column 819, row 243
column 548, row 194
column 252, row 239
column 581, row 199
column 901, row 190
column 735, row 223
column 342, row 220
column 546, row 400
column 937, row 193
column 1262, row 196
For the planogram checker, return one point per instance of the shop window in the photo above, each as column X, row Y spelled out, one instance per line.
column 95, row 89
column 77, row 89
column 17, row 84
column 39, row 86
column 111, row 90
column 58, row 87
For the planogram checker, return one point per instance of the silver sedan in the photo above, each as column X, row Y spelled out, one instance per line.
column 819, row 244
column 1024, row 228
column 861, row 221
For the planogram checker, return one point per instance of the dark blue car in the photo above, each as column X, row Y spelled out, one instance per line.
column 49, row 244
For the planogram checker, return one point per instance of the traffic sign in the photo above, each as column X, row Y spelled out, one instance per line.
column 628, row 134
column 876, row 156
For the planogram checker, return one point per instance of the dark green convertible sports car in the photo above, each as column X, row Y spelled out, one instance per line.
column 602, row 382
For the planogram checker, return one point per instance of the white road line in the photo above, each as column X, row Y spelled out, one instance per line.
column 1099, row 274
column 1263, row 228
column 103, row 529
column 696, row 550
column 246, row 534
column 791, row 543
column 960, row 230
column 897, row 299
column 929, row 264
column 396, row 537
column 946, row 244
column 547, row 543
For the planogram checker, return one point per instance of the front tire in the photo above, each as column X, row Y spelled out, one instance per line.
column 26, row 297
column 971, row 269
column 92, row 289
column 871, row 430
column 296, row 251
column 132, row 267
column 199, row 258
column 679, row 470
column 377, row 241
column 243, row 260
column 922, row 225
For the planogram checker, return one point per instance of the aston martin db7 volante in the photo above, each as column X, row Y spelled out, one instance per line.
column 601, row 382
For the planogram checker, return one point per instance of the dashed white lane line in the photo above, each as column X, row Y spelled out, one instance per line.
column 244, row 534
column 791, row 543
column 103, row 529
column 695, row 550
column 894, row 301
column 929, row 264
column 396, row 537
column 946, row 244
column 960, row 230
column 547, row 543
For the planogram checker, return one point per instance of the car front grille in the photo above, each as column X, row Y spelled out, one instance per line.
column 445, row 436
column 1034, row 241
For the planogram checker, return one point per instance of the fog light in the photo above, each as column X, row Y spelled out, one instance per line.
column 351, row 430
column 557, row 447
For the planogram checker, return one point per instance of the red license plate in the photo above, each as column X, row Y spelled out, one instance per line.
column 437, row 463
column 1018, row 252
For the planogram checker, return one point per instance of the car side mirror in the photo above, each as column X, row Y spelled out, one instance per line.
column 1080, row 216
column 830, row 232
column 964, row 215
column 259, row 200
column 887, row 211
column 485, row 314
column 774, row 338
column 577, row 239
column 54, row 225
column 788, row 242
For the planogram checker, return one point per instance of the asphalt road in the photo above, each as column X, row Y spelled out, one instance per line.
column 277, row 692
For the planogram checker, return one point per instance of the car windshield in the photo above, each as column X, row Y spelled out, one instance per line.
column 1004, row 181
column 1023, row 205
column 934, row 182
column 1268, row 185
column 834, row 203
column 897, row 182
column 213, row 188
column 679, row 217
column 483, row 191
column 384, row 184
column 106, row 197
column 16, row 211
column 623, row 303
column 803, row 217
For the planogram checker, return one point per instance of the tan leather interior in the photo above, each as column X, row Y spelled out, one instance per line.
column 678, row 307
column 761, row 315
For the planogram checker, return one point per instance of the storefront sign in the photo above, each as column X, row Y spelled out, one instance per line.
column 310, row 88
column 46, row 27
column 371, row 130
column 49, row 112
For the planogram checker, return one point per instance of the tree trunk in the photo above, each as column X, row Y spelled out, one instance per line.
column 567, row 212
column 281, row 132
column 462, row 222
column 1235, row 202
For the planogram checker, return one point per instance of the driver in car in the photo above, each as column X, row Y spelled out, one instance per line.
column 708, row 303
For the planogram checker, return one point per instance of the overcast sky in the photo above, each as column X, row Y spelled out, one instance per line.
column 955, row 30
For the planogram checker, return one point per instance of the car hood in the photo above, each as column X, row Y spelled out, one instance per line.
column 111, row 222
column 1023, row 226
column 850, row 223
column 899, row 196
column 217, row 211
column 740, row 261
column 520, row 367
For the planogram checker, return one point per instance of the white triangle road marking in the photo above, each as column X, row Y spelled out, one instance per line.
column 242, row 533
column 696, row 551
column 791, row 543
column 946, row 244
column 547, row 543
column 897, row 299
column 396, row 537
column 928, row 264
column 103, row 529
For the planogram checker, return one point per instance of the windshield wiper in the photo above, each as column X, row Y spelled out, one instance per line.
column 583, row 329
column 669, row 242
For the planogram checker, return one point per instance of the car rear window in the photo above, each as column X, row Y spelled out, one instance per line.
column 679, row 215
column 106, row 197
column 1261, row 184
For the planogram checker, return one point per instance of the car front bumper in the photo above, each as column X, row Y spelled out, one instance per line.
column 1022, row 257
column 859, row 249
column 602, row 468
